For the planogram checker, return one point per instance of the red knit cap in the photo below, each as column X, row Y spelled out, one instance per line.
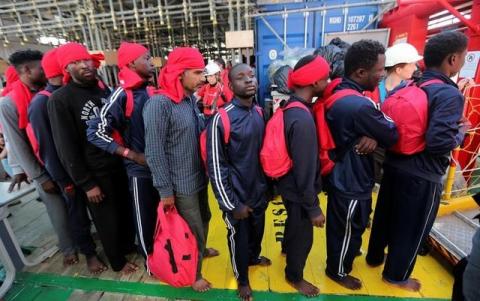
column 72, row 52
column 50, row 64
column 129, row 52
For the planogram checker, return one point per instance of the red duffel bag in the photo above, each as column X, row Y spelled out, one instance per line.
column 175, row 254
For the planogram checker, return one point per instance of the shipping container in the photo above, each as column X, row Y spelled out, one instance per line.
column 307, row 29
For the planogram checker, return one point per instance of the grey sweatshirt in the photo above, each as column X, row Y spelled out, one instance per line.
column 19, row 145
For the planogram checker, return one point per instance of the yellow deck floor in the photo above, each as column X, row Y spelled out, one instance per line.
column 31, row 225
column 436, row 280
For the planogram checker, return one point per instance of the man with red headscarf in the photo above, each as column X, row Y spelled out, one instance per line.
column 14, row 118
column 94, row 172
column 172, row 148
column 299, row 188
column 123, row 115
column 40, row 124
column 11, row 77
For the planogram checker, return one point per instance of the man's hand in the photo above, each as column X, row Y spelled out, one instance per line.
column 95, row 195
column 168, row 202
column 465, row 125
column 365, row 145
column 318, row 221
column 137, row 158
column 17, row 180
column 49, row 187
column 464, row 83
column 242, row 213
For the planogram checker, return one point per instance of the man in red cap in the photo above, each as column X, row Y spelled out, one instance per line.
column 123, row 114
column 40, row 123
column 95, row 172
column 172, row 148
column 300, row 187
column 14, row 119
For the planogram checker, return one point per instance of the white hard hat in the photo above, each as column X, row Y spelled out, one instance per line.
column 401, row 53
column 212, row 68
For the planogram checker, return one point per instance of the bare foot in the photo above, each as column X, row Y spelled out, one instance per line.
column 70, row 259
column 210, row 252
column 411, row 284
column 129, row 268
column 245, row 292
column 95, row 266
column 201, row 285
column 305, row 288
column 262, row 261
column 349, row 282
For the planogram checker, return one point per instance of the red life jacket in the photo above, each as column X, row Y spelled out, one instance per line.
column 31, row 134
column 408, row 108
column 274, row 157
column 175, row 254
column 326, row 144
column 226, row 132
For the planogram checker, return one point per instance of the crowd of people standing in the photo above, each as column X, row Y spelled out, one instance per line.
column 117, row 153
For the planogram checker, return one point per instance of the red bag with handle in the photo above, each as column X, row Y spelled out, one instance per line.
column 175, row 254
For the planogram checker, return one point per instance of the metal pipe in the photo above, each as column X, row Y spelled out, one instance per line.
column 379, row 14
column 239, row 24
column 474, row 27
column 72, row 23
column 305, row 16
column 274, row 32
column 314, row 9
column 112, row 12
column 324, row 17
column 285, row 16
column 106, row 17
column 40, row 6
column 451, row 174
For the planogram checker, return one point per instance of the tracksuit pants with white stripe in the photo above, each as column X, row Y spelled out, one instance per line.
column 346, row 221
column 145, row 199
column 244, row 241
column 406, row 209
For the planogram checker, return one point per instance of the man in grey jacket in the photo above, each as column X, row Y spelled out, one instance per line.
column 14, row 119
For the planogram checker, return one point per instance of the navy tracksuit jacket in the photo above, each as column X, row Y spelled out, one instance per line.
column 299, row 188
column 410, row 193
column 78, row 216
column 238, row 180
column 351, row 182
column 145, row 196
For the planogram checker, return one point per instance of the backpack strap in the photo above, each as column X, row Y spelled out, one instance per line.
column 259, row 110
column 129, row 103
column 226, row 124
column 295, row 104
column 330, row 101
column 429, row 82
column 45, row 92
